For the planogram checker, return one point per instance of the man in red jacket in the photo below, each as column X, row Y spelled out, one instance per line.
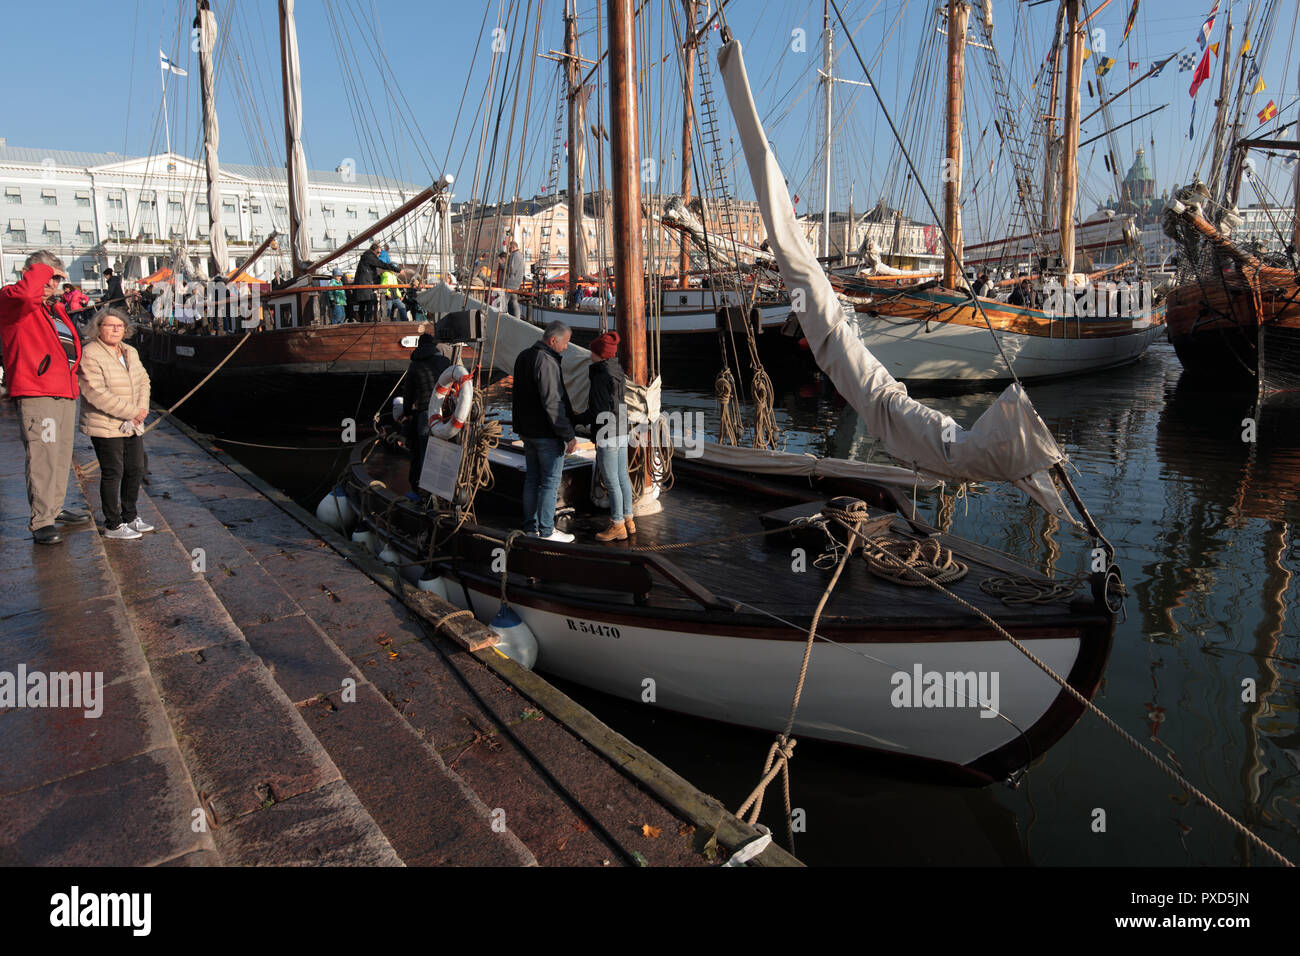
column 41, row 352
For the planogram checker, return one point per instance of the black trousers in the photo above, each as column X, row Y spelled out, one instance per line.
column 121, row 466
column 417, row 440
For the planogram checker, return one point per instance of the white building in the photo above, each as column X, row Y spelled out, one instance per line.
column 131, row 213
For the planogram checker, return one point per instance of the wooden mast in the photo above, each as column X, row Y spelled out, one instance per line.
column 1070, row 132
column 1221, row 114
column 688, row 117
column 577, row 137
column 958, row 15
column 626, row 182
column 829, row 102
column 1052, row 163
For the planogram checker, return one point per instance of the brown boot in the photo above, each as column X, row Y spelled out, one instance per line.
column 616, row 531
column 628, row 523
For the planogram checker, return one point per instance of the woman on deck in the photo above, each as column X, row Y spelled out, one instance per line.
column 114, row 403
column 607, row 415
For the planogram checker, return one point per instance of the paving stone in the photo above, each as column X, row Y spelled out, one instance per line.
column 244, row 742
column 251, row 595
column 94, row 635
column 182, row 617
column 131, row 813
column 150, row 562
column 426, row 813
column 326, row 826
column 41, row 745
column 301, row 659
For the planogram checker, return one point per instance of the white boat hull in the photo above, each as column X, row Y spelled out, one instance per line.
column 851, row 692
column 949, row 352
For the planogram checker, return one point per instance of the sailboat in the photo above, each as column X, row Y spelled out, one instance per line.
column 1234, row 316
column 707, row 610
column 935, row 333
column 298, row 368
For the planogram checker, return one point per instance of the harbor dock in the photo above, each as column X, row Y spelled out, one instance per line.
column 273, row 696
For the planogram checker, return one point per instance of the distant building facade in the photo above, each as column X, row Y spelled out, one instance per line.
column 135, row 214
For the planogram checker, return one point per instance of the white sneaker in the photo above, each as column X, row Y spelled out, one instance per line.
column 139, row 525
column 123, row 532
column 558, row 535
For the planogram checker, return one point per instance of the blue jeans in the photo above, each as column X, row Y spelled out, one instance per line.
column 611, row 459
column 339, row 314
column 544, row 461
column 397, row 310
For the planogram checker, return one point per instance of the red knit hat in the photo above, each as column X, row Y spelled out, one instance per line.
column 604, row 346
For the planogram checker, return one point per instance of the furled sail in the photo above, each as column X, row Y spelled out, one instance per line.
column 297, row 160
column 1008, row 443
column 207, row 25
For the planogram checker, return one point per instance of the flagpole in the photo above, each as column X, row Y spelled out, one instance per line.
column 167, row 131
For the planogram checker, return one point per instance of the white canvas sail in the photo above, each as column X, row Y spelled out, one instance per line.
column 297, row 160
column 1008, row 443
column 211, row 138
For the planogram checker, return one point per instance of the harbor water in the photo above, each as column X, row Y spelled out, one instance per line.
column 1198, row 493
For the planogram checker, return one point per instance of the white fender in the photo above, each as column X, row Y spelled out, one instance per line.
column 434, row 585
column 459, row 381
column 365, row 539
column 329, row 512
column 517, row 640
column 388, row 555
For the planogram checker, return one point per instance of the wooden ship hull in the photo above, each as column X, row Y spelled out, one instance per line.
column 310, row 376
column 720, row 629
column 1217, row 325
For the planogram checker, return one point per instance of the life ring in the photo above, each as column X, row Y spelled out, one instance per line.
column 453, row 380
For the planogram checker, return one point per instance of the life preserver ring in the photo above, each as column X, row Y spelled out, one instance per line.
column 453, row 380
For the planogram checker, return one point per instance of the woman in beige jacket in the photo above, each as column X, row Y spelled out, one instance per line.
column 114, row 403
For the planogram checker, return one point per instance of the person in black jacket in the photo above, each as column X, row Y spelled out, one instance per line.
column 607, row 414
column 368, row 270
column 427, row 364
column 543, row 418
column 114, row 296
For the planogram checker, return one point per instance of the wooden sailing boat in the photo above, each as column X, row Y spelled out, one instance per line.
column 1234, row 316
column 937, row 335
column 703, row 610
column 293, row 369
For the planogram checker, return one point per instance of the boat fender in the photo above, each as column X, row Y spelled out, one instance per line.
column 399, row 406
column 517, row 641
column 365, row 539
column 388, row 555
column 459, row 382
column 434, row 585
column 336, row 511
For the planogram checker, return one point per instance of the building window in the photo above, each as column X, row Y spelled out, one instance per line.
column 281, row 208
column 147, row 199
column 117, row 233
column 256, row 238
column 352, row 212
column 229, row 205
column 175, row 232
column 53, row 231
column 374, row 213
column 255, row 205
column 203, row 230
column 328, row 211
column 17, row 231
column 232, row 232
column 116, row 201
column 88, row 271
column 13, row 195
column 173, row 207
column 49, row 197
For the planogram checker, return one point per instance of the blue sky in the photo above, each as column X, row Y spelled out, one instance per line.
column 383, row 82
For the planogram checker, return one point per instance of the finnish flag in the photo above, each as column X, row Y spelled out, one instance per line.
column 167, row 64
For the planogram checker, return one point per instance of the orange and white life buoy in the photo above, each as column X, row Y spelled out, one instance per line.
column 458, row 381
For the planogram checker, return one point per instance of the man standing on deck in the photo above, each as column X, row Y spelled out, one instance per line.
column 514, row 281
column 337, row 297
column 368, row 272
column 41, row 351
column 427, row 364
column 543, row 418
column 114, row 296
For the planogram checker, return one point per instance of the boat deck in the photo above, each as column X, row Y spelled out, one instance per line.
column 763, row 573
